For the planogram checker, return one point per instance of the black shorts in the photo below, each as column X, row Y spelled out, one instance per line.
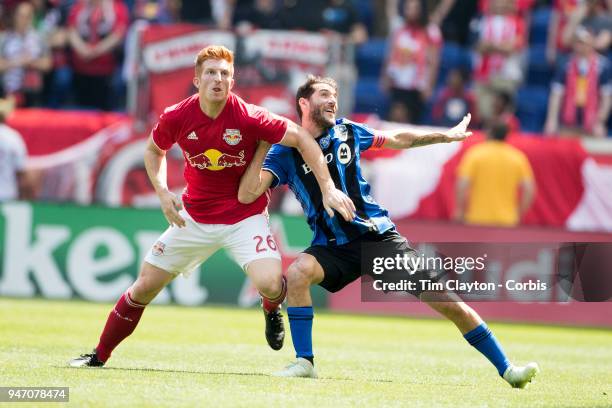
column 342, row 264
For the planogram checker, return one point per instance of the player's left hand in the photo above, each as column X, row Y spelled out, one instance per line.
column 334, row 199
column 460, row 132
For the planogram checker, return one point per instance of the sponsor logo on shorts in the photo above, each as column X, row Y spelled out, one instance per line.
column 158, row 248
column 192, row 136
column 232, row 136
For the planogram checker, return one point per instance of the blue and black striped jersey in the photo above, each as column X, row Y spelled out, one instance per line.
column 341, row 145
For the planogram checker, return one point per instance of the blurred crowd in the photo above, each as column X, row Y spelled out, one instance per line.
column 497, row 31
column 69, row 53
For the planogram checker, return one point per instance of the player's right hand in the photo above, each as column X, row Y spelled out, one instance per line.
column 171, row 205
column 335, row 199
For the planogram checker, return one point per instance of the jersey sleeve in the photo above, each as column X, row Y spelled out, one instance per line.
column 278, row 163
column 164, row 134
column 366, row 137
column 265, row 125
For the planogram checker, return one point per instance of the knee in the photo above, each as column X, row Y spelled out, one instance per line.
column 146, row 287
column 301, row 272
column 142, row 291
column 271, row 287
column 269, row 284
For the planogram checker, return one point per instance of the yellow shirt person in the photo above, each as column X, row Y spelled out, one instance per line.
column 495, row 184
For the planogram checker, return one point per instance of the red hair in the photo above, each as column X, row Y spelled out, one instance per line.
column 216, row 52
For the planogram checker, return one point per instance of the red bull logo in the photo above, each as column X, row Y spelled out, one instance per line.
column 159, row 248
column 214, row 160
column 232, row 137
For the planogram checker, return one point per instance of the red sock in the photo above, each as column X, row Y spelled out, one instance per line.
column 121, row 322
column 270, row 305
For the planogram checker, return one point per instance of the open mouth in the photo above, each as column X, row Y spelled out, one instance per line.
column 217, row 89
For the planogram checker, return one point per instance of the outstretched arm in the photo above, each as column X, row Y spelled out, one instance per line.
column 404, row 139
column 255, row 181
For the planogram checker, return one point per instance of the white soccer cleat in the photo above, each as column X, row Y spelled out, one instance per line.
column 519, row 377
column 300, row 368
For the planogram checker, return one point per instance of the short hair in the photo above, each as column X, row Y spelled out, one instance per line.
column 217, row 52
column 498, row 131
column 307, row 89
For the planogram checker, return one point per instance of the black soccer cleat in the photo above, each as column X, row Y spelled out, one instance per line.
column 275, row 329
column 86, row 360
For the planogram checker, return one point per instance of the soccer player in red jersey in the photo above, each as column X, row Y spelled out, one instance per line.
column 218, row 133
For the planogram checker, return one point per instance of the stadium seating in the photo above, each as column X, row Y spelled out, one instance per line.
column 370, row 57
column 453, row 56
column 539, row 71
column 538, row 31
column 369, row 97
column 531, row 105
column 365, row 9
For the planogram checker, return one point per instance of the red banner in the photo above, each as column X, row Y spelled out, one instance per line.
column 266, row 62
column 168, row 57
column 49, row 131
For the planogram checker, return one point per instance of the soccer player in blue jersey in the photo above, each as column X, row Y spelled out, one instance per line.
column 334, row 258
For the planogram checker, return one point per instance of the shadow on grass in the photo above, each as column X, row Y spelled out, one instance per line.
column 169, row 371
column 161, row 370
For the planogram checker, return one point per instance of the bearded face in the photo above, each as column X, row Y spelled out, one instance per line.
column 323, row 106
column 324, row 115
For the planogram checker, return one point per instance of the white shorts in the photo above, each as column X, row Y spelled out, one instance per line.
column 181, row 250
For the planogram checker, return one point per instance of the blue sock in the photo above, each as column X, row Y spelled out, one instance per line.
column 485, row 342
column 300, row 321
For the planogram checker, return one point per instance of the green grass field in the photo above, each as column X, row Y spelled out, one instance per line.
column 205, row 357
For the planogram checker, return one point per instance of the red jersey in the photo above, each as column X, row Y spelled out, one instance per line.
column 408, row 65
column 217, row 152
column 564, row 8
column 498, row 29
column 94, row 23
